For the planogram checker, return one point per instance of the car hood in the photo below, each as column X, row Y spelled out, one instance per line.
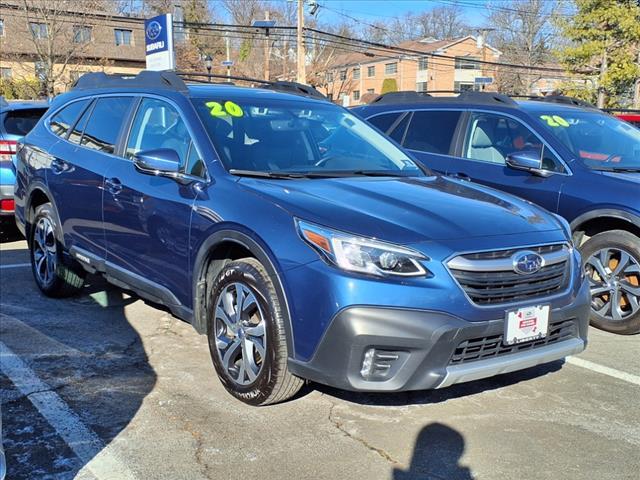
column 405, row 210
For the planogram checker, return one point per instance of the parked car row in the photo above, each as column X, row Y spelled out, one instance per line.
column 305, row 243
column 16, row 120
column 573, row 160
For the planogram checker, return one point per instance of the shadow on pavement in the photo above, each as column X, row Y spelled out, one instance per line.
column 9, row 232
column 423, row 397
column 436, row 454
column 87, row 352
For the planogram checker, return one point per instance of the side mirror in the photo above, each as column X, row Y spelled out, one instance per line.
column 527, row 160
column 161, row 162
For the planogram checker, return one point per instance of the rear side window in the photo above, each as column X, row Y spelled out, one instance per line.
column 108, row 115
column 384, row 122
column 62, row 121
column 20, row 122
column 432, row 131
column 76, row 132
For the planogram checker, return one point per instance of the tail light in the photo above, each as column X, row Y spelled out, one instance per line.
column 7, row 205
column 7, row 149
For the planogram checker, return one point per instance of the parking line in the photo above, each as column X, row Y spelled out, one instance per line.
column 612, row 372
column 15, row 265
column 103, row 462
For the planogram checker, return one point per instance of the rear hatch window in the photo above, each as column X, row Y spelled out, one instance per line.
column 20, row 122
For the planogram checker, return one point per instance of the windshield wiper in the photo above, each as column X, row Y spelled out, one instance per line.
column 262, row 174
column 376, row 173
column 620, row 169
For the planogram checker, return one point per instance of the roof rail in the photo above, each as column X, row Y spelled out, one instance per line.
column 405, row 96
column 281, row 86
column 564, row 100
column 463, row 96
column 144, row 79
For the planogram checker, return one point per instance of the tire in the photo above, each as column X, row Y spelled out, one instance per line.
column 612, row 265
column 53, row 277
column 249, row 354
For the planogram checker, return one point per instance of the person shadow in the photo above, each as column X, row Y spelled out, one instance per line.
column 436, row 455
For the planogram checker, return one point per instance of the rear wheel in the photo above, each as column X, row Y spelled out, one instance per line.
column 247, row 339
column 53, row 277
column 612, row 265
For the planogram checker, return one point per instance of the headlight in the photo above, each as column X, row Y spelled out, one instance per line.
column 362, row 255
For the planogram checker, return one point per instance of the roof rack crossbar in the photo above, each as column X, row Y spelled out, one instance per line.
column 144, row 79
column 282, row 86
column 469, row 96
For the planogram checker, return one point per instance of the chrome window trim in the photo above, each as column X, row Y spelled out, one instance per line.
column 140, row 95
column 568, row 172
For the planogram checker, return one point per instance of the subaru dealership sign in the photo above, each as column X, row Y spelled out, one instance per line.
column 158, row 40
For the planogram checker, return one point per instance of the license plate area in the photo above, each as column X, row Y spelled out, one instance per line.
column 526, row 324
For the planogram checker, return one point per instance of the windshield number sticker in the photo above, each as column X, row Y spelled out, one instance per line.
column 555, row 120
column 217, row 109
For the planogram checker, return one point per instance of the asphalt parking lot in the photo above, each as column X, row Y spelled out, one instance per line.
column 105, row 386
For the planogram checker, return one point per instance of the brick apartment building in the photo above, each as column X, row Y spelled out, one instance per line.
column 100, row 42
column 355, row 78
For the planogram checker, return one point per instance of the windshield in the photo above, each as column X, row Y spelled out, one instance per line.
column 298, row 137
column 602, row 142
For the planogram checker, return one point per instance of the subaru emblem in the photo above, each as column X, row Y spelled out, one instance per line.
column 153, row 30
column 527, row 262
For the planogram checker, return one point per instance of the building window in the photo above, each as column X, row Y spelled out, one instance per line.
column 391, row 68
column 41, row 71
column 38, row 30
column 5, row 73
column 422, row 63
column 371, row 90
column 467, row 63
column 329, row 77
column 123, row 37
column 371, row 71
column 356, row 95
column 82, row 34
column 356, row 73
column 465, row 87
column 1, row 27
column 421, row 86
column 343, row 74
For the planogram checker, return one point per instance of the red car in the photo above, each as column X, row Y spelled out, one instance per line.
column 631, row 116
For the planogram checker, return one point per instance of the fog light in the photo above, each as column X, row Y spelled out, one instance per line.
column 367, row 363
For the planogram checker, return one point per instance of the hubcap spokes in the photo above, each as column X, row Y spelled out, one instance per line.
column 44, row 251
column 240, row 333
column 614, row 278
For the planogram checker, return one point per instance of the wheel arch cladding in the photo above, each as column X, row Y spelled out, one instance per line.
column 214, row 253
column 38, row 196
column 603, row 220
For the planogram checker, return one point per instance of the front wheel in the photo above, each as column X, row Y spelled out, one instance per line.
column 612, row 265
column 247, row 339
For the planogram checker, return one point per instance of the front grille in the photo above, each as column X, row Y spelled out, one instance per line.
column 482, row 348
column 488, row 278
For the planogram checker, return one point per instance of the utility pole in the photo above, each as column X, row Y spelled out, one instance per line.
column 267, row 50
column 302, row 74
column 636, row 94
column 602, row 96
column 226, row 41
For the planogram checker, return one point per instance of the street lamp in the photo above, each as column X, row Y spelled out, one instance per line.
column 208, row 62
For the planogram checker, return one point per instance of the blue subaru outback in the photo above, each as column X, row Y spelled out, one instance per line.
column 299, row 239
column 560, row 153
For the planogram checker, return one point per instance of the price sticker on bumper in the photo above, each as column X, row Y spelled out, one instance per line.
column 526, row 324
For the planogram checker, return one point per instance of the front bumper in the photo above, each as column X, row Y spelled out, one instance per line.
column 415, row 348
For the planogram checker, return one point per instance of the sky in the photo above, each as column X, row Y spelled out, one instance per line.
column 372, row 10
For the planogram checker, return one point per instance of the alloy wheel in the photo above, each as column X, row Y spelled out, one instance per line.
column 45, row 257
column 240, row 333
column 614, row 278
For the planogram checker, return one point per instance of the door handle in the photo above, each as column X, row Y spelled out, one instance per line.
column 58, row 166
column 114, row 185
column 461, row 176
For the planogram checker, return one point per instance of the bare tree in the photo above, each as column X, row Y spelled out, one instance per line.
column 525, row 34
column 60, row 32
